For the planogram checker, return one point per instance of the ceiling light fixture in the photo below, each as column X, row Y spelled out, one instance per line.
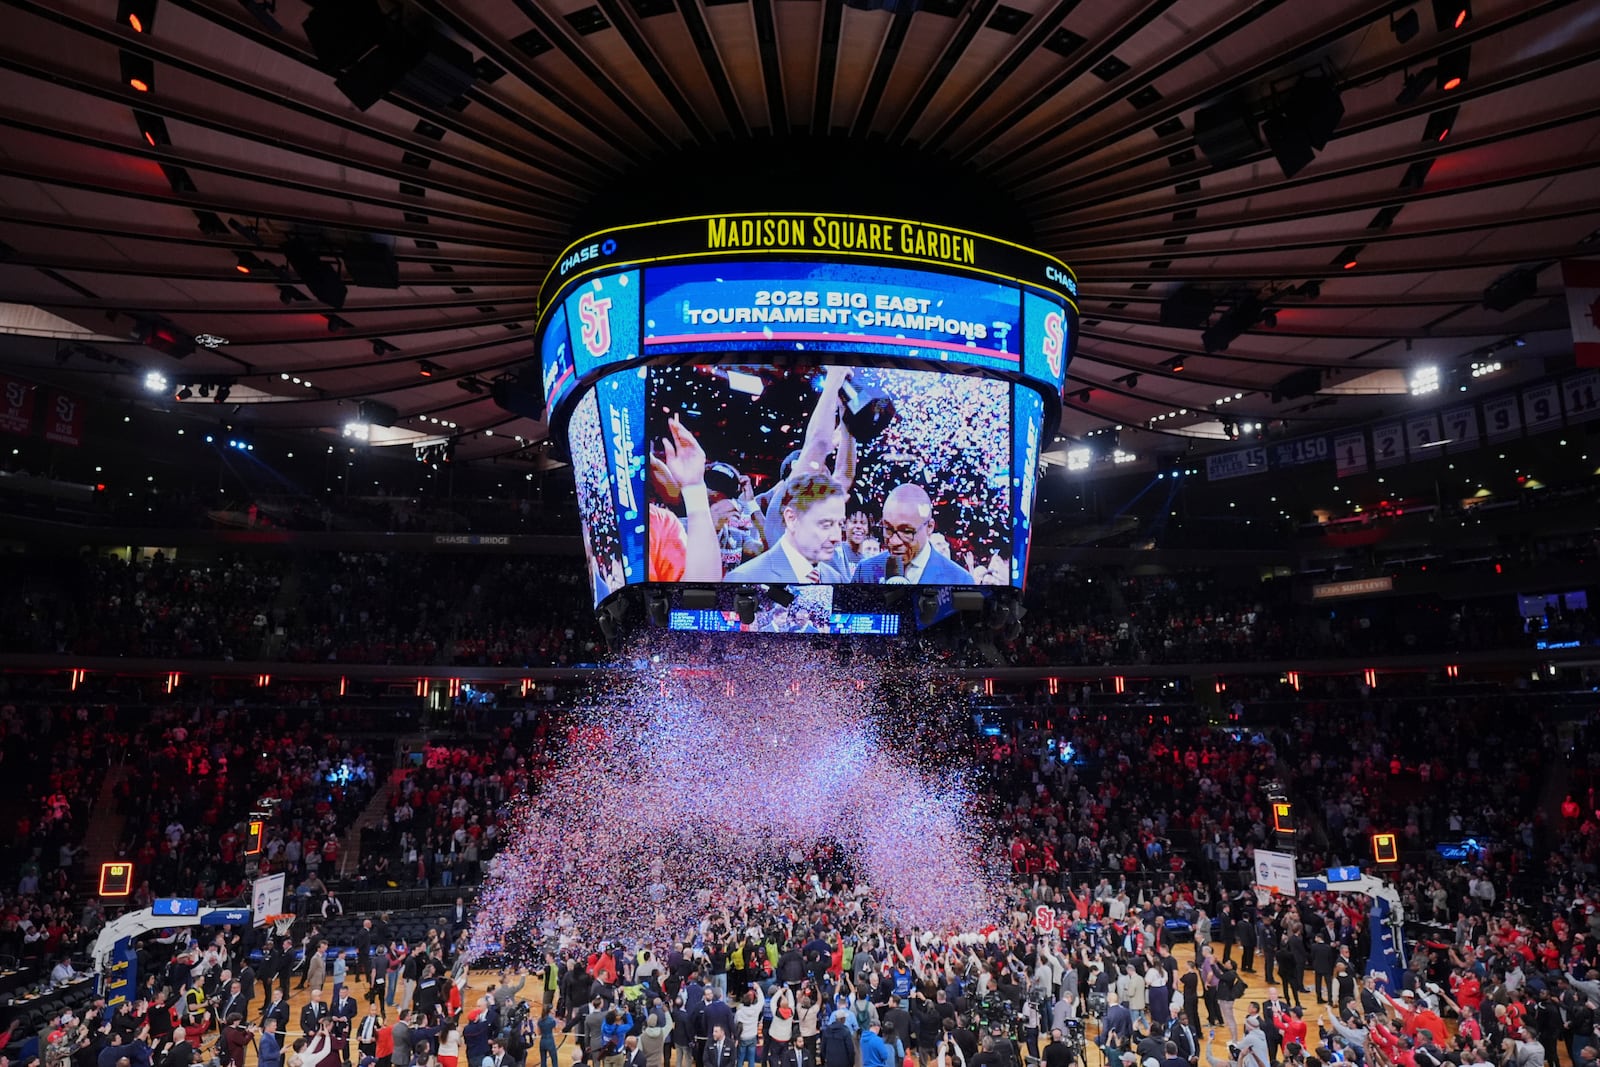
column 138, row 72
column 1452, row 69
column 138, row 14
column 1451, row 14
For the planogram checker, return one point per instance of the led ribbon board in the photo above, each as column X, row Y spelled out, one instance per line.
column 874, row 287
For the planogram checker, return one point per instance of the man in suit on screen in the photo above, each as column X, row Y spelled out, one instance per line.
column 813, row 524
column 908, row 546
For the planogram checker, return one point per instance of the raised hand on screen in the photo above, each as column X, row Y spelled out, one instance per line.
column 682, row 455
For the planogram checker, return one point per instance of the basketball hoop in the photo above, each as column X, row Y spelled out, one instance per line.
column 280, row 923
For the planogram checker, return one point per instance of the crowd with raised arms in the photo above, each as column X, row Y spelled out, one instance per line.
column 1132, row 829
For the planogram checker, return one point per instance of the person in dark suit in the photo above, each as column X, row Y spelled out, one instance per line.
column 344, row 1013
column 794, row 1054
column 277, row 1008
column 313, row 1013
column 1247, row 944
column 908, row 544
column 233, row 1002
column 813, row 522
column 364, row 950
column 719, row 1049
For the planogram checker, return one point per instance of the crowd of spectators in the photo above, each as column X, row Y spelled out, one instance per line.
column 472, row 610
column 202, row 771
column 103, row 605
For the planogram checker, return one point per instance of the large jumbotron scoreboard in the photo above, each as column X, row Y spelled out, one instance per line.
column 804, row 405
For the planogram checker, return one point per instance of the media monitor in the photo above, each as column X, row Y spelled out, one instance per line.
column 775, row 400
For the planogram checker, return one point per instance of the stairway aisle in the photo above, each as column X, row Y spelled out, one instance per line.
column 105, row 824
column 373, row 814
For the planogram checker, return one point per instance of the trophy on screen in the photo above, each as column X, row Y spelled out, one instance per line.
column 868, row 411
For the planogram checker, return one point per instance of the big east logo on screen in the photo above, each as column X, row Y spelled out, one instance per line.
column 596, row 316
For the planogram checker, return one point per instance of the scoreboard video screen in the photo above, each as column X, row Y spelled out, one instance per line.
column 745, row 413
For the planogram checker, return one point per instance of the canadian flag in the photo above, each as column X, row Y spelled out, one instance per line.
column 1582, row 279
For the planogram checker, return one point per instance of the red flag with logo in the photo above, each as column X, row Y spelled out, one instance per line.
column 63, row 420
column 1582, row 279
column 16, row 405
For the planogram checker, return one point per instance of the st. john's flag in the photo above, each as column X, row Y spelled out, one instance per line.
column 1582, row 279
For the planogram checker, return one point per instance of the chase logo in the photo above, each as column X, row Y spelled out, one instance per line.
column 1061, row 278
column 588, row 252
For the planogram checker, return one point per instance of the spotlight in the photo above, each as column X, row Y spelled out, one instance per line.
column 153, row 128
column 1450, row 14
column 1130, row 380
column 656, row 606
column 247, row 262
column 927, row 607
column 358, row 431
column 744, row 603
column 138, row 72
column 185, row 393
column 1452, row 69
column 425, row 368
column 155, row 381
column 222, row 394
column 1439, row 124
column 205, row 391
column 1415, row 85
column 141, row 14
column 1424, row 380
column 1347, row 259
column 1511, row 289
column 1305, row 117
column 1078, row 459
column 322, row 279
column 1405, row 27
column 380, row 347
column 1175, row 364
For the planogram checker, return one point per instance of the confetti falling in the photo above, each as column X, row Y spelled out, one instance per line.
column 686, row 789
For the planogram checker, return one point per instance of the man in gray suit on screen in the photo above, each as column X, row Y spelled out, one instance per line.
column 812, row 507
column 909, row 555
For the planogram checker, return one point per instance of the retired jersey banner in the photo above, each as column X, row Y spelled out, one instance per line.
column 63, row 420
column 1423, row 439
column 1388, row 444
column 1350, row 453
column 1300, row 451
column 16, row 405
column 1580, row 395
column 1541, row 408
column 1501, row 419
column 1582, row 279
column 1237, row 464
column 1460, row 428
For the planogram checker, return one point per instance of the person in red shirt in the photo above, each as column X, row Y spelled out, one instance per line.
column 1292, row 1025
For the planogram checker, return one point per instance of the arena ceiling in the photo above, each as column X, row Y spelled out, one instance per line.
column 166, row 209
